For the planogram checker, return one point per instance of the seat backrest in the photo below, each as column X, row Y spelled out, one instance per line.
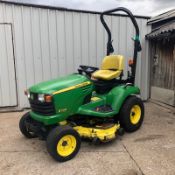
column 115, row 62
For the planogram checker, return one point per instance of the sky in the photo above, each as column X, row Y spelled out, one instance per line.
column 138, row 7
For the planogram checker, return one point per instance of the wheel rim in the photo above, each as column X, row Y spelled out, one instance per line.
column 135, row 114
column 66, row 145
column 30, row 132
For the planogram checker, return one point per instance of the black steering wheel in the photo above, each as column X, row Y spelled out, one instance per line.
column 88, row 70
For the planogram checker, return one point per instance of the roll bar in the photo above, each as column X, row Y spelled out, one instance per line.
column 137, row 45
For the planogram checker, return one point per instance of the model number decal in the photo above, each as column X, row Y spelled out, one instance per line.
column 62, row 110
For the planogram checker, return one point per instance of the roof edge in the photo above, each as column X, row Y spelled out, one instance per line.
column 162, row 17
column 159, row 20
column 65, row 9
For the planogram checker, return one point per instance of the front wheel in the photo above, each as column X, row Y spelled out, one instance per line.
column 132, row 114
column 24, row 128
column 63, row 143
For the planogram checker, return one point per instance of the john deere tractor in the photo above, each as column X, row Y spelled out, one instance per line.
column 94, row 103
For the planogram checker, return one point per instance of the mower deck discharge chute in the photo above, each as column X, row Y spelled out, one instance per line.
column 95, row 103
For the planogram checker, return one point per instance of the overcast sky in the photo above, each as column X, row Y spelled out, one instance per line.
column 138, row 7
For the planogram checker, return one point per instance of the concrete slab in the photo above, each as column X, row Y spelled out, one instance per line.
column 85, row 163
column 153, row 147
column 149, row 151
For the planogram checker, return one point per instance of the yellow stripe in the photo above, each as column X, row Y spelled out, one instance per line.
column 72, row 87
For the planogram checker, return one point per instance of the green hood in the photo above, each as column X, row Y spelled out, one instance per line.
column 49, row 87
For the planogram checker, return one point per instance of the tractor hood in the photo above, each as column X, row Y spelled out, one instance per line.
column 52, row 86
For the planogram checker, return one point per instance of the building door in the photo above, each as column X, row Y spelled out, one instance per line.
column 8, row 94
column 163, row 71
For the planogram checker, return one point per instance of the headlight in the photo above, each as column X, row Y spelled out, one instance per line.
column 41, row 97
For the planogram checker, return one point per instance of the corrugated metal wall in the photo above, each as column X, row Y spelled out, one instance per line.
column 53, row 43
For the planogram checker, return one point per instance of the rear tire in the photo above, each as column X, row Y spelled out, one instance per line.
column 132, row 114
column 23, row 127
column 63, row 143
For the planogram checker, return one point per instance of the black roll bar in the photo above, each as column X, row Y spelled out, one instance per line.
column 137, row 45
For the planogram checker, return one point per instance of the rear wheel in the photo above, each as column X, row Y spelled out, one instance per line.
column 23, row 126
column 132, row 114
column 63, row 143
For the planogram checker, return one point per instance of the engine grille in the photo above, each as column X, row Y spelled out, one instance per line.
column 43, row 108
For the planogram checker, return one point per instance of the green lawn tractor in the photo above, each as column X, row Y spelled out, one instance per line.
column 94, row 103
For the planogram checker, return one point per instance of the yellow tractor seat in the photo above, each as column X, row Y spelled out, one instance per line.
column 112, row 67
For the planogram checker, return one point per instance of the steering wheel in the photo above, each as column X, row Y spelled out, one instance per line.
column 88, row 70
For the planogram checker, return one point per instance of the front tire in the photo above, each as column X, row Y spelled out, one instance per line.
column 23, row 127
column 63, row 143
column 132, row 114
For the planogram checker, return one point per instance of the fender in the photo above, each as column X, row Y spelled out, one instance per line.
column 118, row 95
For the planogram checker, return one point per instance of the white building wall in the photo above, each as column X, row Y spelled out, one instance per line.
column 50, row 43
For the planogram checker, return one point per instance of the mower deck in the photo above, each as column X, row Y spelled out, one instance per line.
column 103, row 133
